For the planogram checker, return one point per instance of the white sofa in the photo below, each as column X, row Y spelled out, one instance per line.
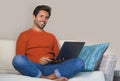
column 8, row 73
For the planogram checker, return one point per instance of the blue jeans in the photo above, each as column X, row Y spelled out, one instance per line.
column 68, row 68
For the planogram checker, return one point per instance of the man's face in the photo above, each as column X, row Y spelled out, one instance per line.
column 41, row 19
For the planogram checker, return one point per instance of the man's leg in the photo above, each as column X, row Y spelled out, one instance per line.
column 25, row 67
column 71, row 67
column 66, row 69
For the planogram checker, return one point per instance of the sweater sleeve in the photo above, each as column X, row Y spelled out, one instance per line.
column 55, row 47
column 21, row 44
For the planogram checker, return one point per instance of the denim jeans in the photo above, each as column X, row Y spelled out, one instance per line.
column 67, row 68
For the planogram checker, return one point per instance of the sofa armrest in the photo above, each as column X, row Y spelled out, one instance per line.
column 107, row 65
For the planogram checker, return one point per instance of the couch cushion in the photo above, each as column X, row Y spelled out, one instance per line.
column 15, row 77
column 83, row 76
column 92, row 54
column 89, row 76
column 7, row 52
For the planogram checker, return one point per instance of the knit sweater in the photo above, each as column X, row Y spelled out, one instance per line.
column 34, row 45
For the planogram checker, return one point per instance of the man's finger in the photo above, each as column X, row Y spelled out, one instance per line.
column 48, row 59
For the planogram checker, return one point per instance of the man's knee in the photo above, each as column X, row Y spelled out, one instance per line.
column 18, row 60
column 79, row 64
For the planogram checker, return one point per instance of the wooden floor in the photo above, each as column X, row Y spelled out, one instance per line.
column 116, row 79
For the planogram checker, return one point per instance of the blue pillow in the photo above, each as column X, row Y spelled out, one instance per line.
column 92, row 54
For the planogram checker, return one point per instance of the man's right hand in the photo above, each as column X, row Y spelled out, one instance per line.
column 54, row 61
column 44, row 60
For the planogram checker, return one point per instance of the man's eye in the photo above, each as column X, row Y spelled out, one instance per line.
column 47, row 17
column 41, row 15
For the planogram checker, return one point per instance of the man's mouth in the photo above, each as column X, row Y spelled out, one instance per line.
column 42, row 23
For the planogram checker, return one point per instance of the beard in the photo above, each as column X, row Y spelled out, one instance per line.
column 40, row 25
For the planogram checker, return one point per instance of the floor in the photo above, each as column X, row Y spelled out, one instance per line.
column 116, row 79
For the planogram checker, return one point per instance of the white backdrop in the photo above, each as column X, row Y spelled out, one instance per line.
column 85, row 20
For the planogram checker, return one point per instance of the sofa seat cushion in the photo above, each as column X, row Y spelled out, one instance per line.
column 16, row 77
column 89, row 76
column 8, row 71
column 82, row 76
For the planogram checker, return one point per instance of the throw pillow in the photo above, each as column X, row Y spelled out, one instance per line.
column 92, row 54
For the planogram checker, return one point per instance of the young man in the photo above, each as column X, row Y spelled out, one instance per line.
column 35, row 48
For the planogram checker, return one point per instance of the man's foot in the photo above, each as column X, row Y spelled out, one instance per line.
column 53, row 77
column 42, row 76
column 61, row 79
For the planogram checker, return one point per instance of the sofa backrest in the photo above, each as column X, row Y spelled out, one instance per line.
column 7, row 52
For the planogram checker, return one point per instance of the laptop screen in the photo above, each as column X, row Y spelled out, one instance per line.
column 70, row 50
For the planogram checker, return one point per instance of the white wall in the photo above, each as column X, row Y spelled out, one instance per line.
column 85, row 20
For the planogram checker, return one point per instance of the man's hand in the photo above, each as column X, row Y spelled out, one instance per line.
column 44, row 60
column 57, row 60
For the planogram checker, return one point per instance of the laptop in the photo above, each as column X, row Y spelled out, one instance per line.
column 68, row 50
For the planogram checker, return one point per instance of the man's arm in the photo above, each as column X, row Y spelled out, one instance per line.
column 55, row 47
column 21, row 44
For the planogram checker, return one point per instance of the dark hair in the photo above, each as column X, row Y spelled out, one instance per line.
column 42, row 7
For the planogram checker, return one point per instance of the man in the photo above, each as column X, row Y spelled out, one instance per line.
column 35, row 48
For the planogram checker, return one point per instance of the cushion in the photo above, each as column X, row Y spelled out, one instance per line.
column 92, row 54
column 89, row 76
column 16, row 77
column 82, row 76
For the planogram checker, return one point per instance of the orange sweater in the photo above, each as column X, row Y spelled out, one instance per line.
column 35, row 45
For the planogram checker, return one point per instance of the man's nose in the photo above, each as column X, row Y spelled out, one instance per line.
column 44, row 19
